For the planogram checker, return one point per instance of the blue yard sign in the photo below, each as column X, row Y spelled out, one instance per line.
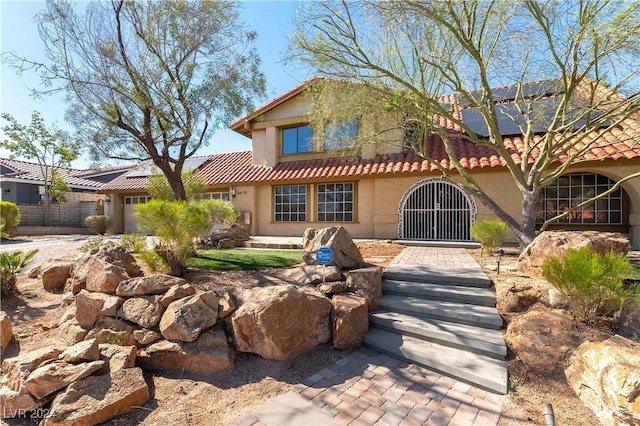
column 324, row 255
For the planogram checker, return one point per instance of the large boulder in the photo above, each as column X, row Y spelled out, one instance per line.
column 54, row 274
column 71, row 332
column 152, row 284
column 209, row 353
column 16, row 369
column 177, row 292
column 84, row 351
column 90, row 265
column 89, row 307
column 49, row 378
column 118, row 256
column 117, row 357
column 15, row 403
column 366, row 282
column 350, row 320
column 281, row 322
column 146, row 311
column 346, row 254
column 186, row 318
column 606, row 377
column 310, row 274
column 534, row 337
column 6, row 331
column 558, row 243
column 97, row 399
column 226, row 238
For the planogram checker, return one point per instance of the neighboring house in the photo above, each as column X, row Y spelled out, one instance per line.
column 22, row 182
column 294, row 179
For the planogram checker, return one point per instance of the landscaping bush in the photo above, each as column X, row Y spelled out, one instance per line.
column 593, row 283
column 490, row 233
column 136, row 243
column 98, row 224
column 177, row 224
column 10, row 264
column 10, row 218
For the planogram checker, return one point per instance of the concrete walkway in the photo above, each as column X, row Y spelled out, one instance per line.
column 367, row 387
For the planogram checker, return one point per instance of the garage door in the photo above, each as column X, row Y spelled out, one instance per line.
column 130, row 223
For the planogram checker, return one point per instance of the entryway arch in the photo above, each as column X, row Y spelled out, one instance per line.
column 436, row 210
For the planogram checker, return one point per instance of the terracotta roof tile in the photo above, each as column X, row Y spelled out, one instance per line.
column 27, row 171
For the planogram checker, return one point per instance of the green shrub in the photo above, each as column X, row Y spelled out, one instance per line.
column 136, row 243
column 154, row 262
column 92, row 243
column 10, row 218
column 177, row 224
column 98, row 224
column 593, row 283
column 490, row 233
column 10, row 264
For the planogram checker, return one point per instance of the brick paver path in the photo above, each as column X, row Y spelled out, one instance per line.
column 367, row 387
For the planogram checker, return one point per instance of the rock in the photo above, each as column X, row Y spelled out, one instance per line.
column 366, row 282
column 6, row 330
column 71, row 332
column 97, row 399
column 226, row 238
column 520, row 299
column 146, row 337
column 207, row 354
column 113, row 254
column 111, row 306
column 149, row 285
column 281, row 322
column 68, row 315
column 310, row 274
column 69, row 297
column 333, row 287
column 15, row 403
column 534, row 336
column 49, row 378
column 606, row 377
column 84, row 351
column 350, row 320
column 227, row 243
column 106, row 280
column 557, row 243
column 226, row 305
column 89, row 307
column 558, row 300
column 114, row 331
column 55, row 274
column 186, row 318
column 116, row 357
column 17, row 369
column 346, row 254
column 629, row 323
column 145, row 311
column 34, row 272
column 177, row 292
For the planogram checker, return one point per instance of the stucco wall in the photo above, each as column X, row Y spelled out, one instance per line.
column 71, row 213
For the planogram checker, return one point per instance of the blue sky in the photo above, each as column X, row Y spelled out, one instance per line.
column 271, row 19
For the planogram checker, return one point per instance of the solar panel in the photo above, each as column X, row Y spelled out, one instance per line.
column 527, row 90
column 511, row 120
column 148, row 168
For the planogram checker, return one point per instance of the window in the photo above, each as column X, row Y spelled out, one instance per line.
column 335, row 202
column 570, row 190
column 224, row 196
column 136, row 200
column 290, row 203
column 340, row 135
column 296, row 140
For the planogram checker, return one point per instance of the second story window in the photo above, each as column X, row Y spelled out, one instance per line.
column 297, row 140
column 340, row 135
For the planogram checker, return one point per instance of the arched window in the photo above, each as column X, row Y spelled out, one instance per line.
column 572, row 189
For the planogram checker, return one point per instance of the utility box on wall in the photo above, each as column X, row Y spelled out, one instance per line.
column 246, row 218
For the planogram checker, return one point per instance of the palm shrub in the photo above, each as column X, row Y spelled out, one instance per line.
column 10, row 218
column 593, row 283
column 490, row 233
column 177, row 224
column 10, row 264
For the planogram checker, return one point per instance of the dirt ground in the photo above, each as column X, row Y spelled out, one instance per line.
column 217, row 399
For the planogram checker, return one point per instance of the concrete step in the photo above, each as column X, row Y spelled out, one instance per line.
column 473, row 339
column 471, row 276
column 484, row 372
column 450, row 293
column 479, row 316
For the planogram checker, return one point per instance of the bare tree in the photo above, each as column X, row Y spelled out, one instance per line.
column 148, row 80
column 560, row 72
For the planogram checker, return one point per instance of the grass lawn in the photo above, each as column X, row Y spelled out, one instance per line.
column 244, row 259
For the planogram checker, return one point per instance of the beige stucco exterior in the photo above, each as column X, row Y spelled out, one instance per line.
column 377, row 197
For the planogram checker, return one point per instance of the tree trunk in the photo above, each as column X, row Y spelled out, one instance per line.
column 528, row 229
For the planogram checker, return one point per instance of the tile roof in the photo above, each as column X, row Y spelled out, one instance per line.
column 27, row 171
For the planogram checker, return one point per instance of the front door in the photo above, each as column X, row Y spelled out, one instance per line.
column 436, row 210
